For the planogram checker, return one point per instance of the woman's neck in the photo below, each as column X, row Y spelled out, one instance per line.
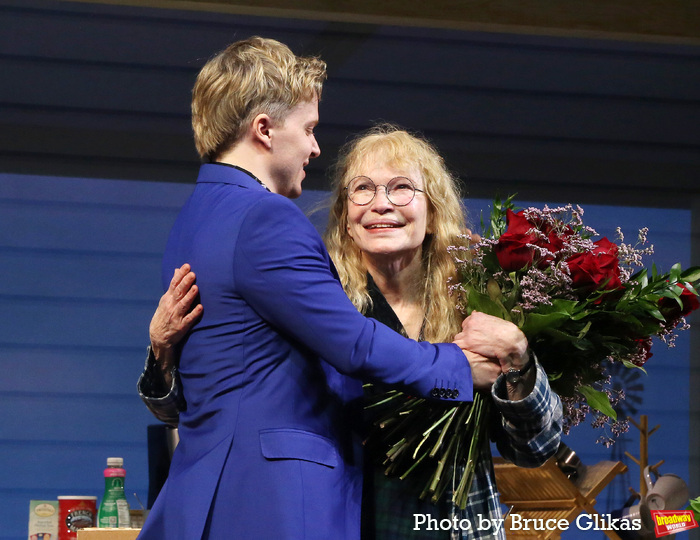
column 400, row 280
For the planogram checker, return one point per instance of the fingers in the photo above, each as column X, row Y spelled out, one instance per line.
column 178, row 310
column 178, row 275
column 193, row 316
column 182, row 290
column 484, row 370
column 181, row 283
column 474, row 237
column 494, row 338
column 189, row 297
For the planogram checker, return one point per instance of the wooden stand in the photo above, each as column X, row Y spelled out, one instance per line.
column 643, row 461
column 546, row 493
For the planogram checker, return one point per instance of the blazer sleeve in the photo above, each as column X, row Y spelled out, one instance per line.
column 283, row 271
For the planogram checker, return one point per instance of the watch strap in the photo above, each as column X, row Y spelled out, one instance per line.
column 513, row 376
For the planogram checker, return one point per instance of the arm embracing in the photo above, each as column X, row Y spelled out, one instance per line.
column 178, row 310
column 283, row 271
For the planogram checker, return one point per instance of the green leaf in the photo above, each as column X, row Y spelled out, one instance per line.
column 691, row 274
column 535, row 323
column 657, row 314
column 477, row 301
column 630, row 365
column 695, row 507
column 675, row 272
column 643, row 278
column 584, row 330
column 598, row 400
column 690, row 288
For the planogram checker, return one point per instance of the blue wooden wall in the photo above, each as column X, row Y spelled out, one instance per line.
column 81, row 266
column 81, row 273
column 92, row 92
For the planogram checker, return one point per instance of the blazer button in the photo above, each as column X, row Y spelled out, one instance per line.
column 455, row 393
column 435, row 392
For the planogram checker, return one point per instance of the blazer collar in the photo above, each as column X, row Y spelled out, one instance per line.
column 221, row 173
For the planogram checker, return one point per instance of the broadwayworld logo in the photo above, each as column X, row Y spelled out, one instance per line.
column 672, row 521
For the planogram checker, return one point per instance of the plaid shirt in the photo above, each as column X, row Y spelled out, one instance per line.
column 526, row 432
column 165, row 403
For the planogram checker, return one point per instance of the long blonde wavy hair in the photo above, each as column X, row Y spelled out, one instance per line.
column 389, row 145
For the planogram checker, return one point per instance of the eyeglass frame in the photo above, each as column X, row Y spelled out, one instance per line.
column 386, row 190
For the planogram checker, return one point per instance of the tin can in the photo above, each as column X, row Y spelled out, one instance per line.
column 75, row 512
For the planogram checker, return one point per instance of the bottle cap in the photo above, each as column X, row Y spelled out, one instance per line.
column 115, row 462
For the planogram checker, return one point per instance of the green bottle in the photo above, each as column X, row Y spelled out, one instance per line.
column 114, row 510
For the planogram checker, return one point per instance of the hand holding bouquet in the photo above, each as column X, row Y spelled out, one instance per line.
column 583, row 303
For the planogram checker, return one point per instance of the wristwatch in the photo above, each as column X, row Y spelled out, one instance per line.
column 513, row 376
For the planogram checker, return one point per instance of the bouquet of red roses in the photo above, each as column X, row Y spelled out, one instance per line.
column 583, row 303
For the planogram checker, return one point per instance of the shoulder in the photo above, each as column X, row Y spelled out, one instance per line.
column 273, row 226
column 264, row 202
column 278, row 213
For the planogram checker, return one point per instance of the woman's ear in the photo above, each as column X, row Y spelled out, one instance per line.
column 261, row 126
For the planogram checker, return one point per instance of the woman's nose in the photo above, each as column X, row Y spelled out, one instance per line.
column 381, row 199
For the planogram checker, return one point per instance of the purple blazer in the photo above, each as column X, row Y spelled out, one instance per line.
column 271, row 372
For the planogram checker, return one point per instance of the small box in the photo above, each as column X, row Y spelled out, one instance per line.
column 43, row 520
column 138, row 518
column 93, row 533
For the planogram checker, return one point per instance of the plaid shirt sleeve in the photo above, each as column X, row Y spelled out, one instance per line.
column 165, row 403
column 532, row 426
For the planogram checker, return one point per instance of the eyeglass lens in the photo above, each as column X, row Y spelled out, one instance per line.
column 399, row 190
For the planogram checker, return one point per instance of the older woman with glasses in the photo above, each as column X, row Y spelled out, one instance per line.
column 395, row 210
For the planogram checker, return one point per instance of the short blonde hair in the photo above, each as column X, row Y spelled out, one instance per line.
column 389, row 145
column 249, row 77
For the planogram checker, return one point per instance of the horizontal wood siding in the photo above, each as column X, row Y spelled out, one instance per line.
column 96, row 157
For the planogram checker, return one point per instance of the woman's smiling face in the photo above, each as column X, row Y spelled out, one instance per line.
column 381, row 228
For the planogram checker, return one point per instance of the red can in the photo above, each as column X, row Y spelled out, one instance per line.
column 75, row 512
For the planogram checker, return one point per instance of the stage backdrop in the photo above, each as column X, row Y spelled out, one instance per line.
column 80, row 280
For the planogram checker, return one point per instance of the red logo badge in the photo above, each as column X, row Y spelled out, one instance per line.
column 672, row 521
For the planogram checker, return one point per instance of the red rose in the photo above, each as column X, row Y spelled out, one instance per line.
column 512, row 249
column 515, row 247
column 590, row 270
column 672, row 310
column 518, row 223
column 513, row 252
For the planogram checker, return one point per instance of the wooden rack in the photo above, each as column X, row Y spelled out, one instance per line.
column 643, row 460
column 547, row 493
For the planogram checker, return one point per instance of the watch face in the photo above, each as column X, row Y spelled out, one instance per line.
column 513, row 376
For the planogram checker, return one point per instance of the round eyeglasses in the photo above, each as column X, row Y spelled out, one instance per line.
column 399, row 190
